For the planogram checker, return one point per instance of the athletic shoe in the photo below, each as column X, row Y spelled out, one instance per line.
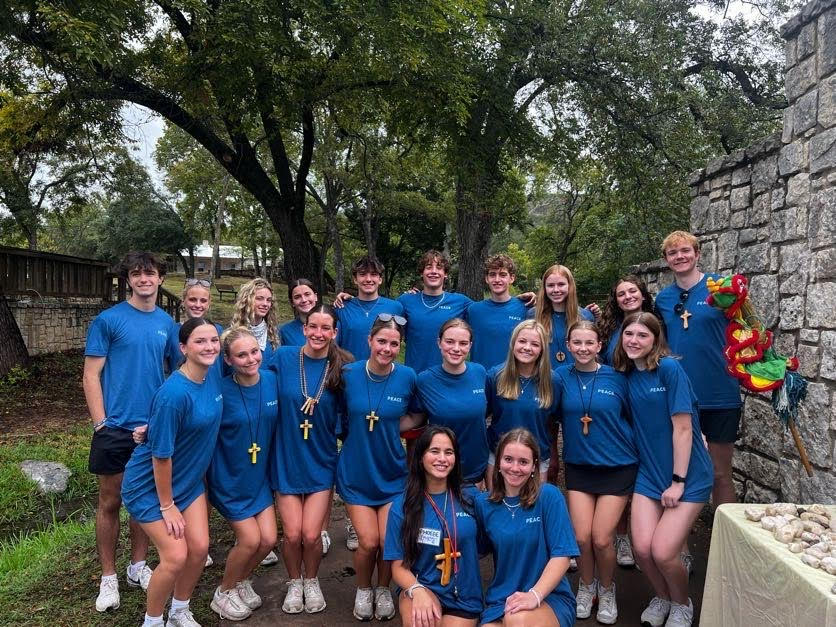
column 586, row 597
column 229, row 605
column 247, row 594
column 688, row 562
column 573, row 564
column 144, row 577
column 108, row 598
column 656, row 612
column 607, row 608
column 351, row 541
column 314, row 601
column 363, row 599
column 209, row 561
column 181, row 618
column 326, row 542
column 270, row 559
column 384, row 606
column 681, row 615
column 293, row 599
column 624, row 551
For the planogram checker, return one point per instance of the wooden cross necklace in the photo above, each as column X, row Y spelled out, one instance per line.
column 373, row 417
column 587, row 407
column 448, row 561
column 255, row 448
column 310, row 403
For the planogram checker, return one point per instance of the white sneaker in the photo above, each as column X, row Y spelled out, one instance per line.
column 247, row 594
column 293, row 603
column 108, row 598
column 228, row 605
column 624, row 551
column 607, row 608
column 326, row 542
column 351, row 541
column 270, row 559
column 182, row 618
column 656, row 612
column 209, row 561
column 384, row 606
column 586, row 598
column 573, row 564
column 314, row 601
column 363, row 599
column 681, row 615
column 144, row 577
column 687, row 561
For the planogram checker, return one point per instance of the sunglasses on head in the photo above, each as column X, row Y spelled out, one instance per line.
column 201, row 282
column 680, row 306
column 386, row 317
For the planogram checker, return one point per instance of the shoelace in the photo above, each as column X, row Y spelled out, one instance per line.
column 678, row 612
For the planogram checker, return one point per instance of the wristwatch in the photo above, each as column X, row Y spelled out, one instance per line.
column 677, row 479
column 412, row 589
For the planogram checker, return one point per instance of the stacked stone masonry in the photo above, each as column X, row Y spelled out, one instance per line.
column 769, row 212
column 53, row 325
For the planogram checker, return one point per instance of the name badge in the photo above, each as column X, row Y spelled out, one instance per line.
column 432, row 537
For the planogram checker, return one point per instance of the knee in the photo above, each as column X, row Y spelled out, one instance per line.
column 368, row 543
column 311, row 536
column 520, row 619
column 174, row 560
column 641, row 549
column 109, row 504
column 199, row 549
column 268, row 541
column 292, row 536
column 602, row 541
column 584, row 540
column 663, row 556
column 249, row 543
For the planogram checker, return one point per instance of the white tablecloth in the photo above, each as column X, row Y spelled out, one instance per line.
column 753, row 580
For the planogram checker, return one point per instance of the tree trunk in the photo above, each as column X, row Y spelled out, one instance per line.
column 184, row 263
column 215, row 272
column 473, row 223
column 12, row 348
column 301, row 257
column 256, row 264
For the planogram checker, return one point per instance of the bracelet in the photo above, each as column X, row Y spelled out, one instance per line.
column 96, row 425
column 536, row 595
column 167, row 507
column 411, row 589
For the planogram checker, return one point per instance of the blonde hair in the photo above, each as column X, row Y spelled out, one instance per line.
column 245, row 304
column 508, row 379
column 531, row 488
column 232, row 335
column 544, row 307
column 680, row 236
column 660, row 348
column 185, row 295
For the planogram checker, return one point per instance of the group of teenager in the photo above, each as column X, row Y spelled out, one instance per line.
column 249, row 418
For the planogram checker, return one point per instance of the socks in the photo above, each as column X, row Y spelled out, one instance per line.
column 153, row 621
column 135, row 569
column 177, row 605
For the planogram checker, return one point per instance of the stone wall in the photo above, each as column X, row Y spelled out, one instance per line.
column 769, row 212
column 52, row 325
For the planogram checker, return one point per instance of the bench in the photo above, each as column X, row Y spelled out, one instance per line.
column 225, row 288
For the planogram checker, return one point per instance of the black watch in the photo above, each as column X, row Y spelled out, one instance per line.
column 677, row 479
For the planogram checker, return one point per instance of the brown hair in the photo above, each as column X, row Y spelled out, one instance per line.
column 143, row 261
column 508, row 379
column 430, row 256
column 612, row 316
column 299, row 283
column 455, row 322
column 544, row 309
column 367, row 264
column 680, row 236
column 337, row 357
column 500, row 261
column 531, row 489
column 660, row 348
column 389, row 324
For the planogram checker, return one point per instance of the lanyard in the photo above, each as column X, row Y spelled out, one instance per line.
column 443, row 519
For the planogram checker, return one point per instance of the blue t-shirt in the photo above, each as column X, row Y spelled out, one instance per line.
column 610, row 438
column 356, row 319
column 424, row 317
column 700, row 345
column 467, row 581
column 492, row 324
column 558, row 342
column 458, row 401
column 522, row 545
column 299, row 465
column 237, row 487
column 524, row 411
column 174, row 355
column 291, row 333
column 133, row 343
column 183, row 427
column 372, row 465
column 655, row 396
column 612, row 343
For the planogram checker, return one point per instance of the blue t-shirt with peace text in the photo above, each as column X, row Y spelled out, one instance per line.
column 425, row 315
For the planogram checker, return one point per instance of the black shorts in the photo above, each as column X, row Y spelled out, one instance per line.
column 609, row 480
column 446, row 611
column 110, row 451
column 720, row 425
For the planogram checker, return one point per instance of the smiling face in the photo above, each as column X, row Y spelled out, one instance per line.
column 556, row 287
column 637, row 341
column 433, row 275
column 439, row 458
column 681, row 257
column 584, row 346
column 527, row 347
column 263, row 302
column 499, row 281
column 628, row 297
column 516, row 463
column 244, row 356
column 384, row 345
column 196, row 302
column 455, row 344
column 319, row 330
column 144, row 283
column 302, row 299
column 368, row 282
column 203, row 345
